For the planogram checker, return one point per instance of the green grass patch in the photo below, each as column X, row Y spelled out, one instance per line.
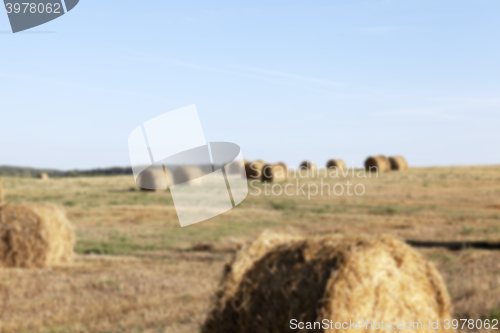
column 386, row 210
column 121, row 246
column 494, row 315
column 325, row 209
column 284, row 205
column 438, row 256
column 467, row 231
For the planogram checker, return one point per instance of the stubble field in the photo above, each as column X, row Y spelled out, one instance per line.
column 137, row 270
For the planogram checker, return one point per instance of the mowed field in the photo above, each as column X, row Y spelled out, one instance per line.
column 137, row 270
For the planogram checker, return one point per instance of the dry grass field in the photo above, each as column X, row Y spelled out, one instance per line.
column 137, row 270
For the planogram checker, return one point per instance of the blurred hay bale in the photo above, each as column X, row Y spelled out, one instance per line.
column 378, row 163
column 277, row 278
column 34, row 235
column 43, row 175
column 386, row 161
column 309, row 166
column 153, row 179
column 398, row 163
column 190, row 174
column 275, row 173
column 254, row 169
column 236, row 167
column 336, row 163
column 285, row 167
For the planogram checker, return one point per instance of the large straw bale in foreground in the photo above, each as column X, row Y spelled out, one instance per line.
column 378, row 163
column 34, row 235
column 254, row 169
column 278, row 278
column 336, row 163
column 398, row 163
column 275, row 173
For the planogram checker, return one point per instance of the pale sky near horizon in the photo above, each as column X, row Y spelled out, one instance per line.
column 285, row 80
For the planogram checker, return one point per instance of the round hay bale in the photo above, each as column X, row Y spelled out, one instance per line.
column 43, row 175
column 285, row 168
column 254, row 169
column 398, row 163
column 153, row 179
column 190, row 174
column 310, row 167
column 336, row 163
column 275, row 173
column 236, row 167
column 278, row 278
column 377, row 163
column 386, row 161
column 34, row 235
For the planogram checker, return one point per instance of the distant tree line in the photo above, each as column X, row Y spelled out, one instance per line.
column 33, row 172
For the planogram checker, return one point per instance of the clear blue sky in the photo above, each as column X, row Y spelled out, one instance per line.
column 286, row 80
